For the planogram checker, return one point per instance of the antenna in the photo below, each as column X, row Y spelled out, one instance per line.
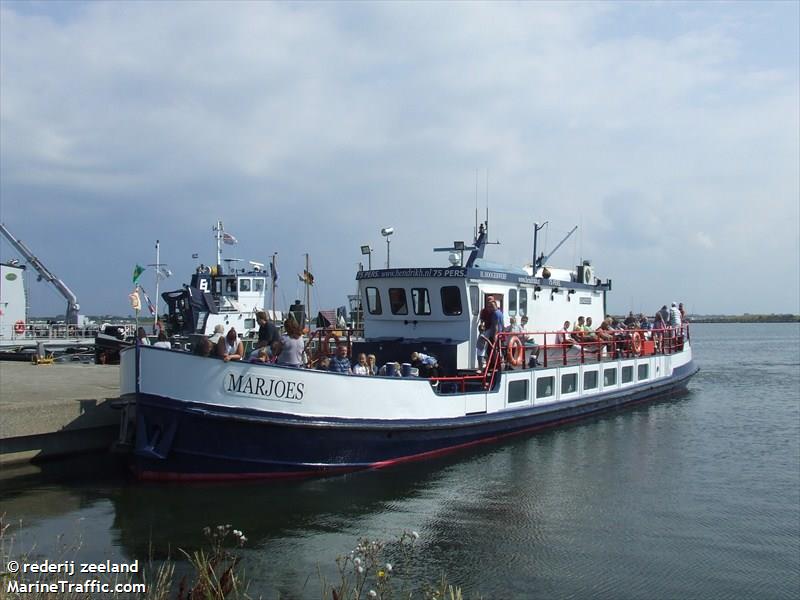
column 487, row 203
column 476, row 204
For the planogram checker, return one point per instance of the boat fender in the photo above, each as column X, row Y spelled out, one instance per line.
column 515, row 352
column 636, row 343
column 19, row 327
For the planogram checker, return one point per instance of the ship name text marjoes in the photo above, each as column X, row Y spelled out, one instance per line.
column 266, row 387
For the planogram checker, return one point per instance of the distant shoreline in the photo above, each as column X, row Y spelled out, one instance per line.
column 744, row 319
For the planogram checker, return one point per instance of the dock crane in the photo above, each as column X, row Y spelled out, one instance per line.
column 72, row 301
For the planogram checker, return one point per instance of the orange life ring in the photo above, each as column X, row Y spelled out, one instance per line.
column 19, row 327
column 515, row 352
column 636, row 343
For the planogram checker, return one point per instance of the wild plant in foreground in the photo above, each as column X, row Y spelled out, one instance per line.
column 366, row 573
column 215, row 576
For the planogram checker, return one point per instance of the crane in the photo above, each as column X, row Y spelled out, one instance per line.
column 72, row 301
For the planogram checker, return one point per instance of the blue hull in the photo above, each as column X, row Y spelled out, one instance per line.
column 189, row 441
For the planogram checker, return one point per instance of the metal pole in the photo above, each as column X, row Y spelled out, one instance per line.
column 272, row 276
column 158, row 266
column 388, row 240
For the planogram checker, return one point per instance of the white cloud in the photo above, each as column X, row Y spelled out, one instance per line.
column 296, row 119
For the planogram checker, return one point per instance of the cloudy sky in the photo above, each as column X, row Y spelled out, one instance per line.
column 669, row 132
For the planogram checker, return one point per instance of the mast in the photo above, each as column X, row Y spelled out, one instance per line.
column 218, row 236
column 158, row 267
column 308, row 293
column 272, row 274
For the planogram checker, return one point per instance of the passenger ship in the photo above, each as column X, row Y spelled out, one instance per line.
column 204, row 418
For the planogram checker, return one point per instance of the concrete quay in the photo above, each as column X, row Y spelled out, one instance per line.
column 56, row 410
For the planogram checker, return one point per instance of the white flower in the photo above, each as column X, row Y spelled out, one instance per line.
column 373, row 594
column 415, row 535
column 360, row 570
column 388, row 567
column 357, row 561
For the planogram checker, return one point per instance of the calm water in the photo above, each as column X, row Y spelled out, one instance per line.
column 696, row 497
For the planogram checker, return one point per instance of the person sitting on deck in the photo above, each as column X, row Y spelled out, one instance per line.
column 141, row 337
column 230, row 347
column 340, row 363
column 630, row 320
column 219, row 331
column 259, row 355
column 563, row 336
column 588, row 332
column 513, row 327
column 529, row 343
column 372, row 364
column 605, row 335
column 361, row 367
column 578, row 331
column 324, row 364
column 428, row 365
column 162, row 342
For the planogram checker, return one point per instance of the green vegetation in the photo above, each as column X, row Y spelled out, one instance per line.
column 745, row 318
column 214, row 573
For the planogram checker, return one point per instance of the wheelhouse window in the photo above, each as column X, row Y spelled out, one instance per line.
column 451, row 300
column 244, row 285
column 397, row 301
column 230, row 286
column 523, row 302
column 517, row 391
column 627, row 374
column 258, row 284
column 420, row 301
column 512, row 302
column 374, row 301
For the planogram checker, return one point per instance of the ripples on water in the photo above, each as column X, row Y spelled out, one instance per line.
column 697, row 497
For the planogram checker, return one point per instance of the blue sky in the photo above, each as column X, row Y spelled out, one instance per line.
column 670, row 132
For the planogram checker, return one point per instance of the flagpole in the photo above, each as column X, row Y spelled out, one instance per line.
column 308, row 295
column 158, row 267
column 272, row 276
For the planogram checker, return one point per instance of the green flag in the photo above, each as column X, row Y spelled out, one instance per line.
column 137, row 272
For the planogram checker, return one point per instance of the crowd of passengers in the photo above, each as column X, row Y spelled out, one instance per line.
column 604, row 338
column 289, row 350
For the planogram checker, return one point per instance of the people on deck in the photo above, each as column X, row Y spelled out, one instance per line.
column 427, row 365
column 530, row 344
column 141, row 337
column 267, row 332
column 674, row 315
column 361, row 367
column 491, row 319
column 292, row 345
column 219, row 331
column 372, row 364
column 339, row 362
column 682, row 310
column 230, row 347
column 162, row 342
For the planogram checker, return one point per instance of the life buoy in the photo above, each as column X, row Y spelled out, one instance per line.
column 636, row 343
column 19, row 327
column 515, row 352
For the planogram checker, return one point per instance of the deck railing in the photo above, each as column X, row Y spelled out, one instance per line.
column 509, row 350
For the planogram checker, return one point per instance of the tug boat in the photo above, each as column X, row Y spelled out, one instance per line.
column 200, row 418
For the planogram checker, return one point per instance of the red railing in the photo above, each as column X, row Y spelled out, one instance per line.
column 571, row 348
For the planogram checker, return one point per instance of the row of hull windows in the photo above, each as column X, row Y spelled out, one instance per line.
column 450, row 296
column 545, row 386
